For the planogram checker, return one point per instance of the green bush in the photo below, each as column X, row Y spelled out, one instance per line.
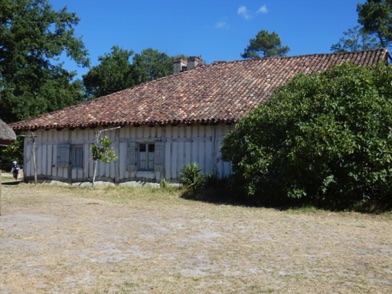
column 11, row 153
column 191, row 176
column 323, row 140
column 164, row 183
column 103, row 150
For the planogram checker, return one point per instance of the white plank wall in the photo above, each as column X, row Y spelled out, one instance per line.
column 183, row 144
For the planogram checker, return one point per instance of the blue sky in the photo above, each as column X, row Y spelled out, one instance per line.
column 213, row 29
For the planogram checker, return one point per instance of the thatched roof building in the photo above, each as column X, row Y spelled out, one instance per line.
column 7, row 135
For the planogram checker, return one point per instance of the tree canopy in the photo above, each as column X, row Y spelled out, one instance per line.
column 114, row 73
column 33, row 38
column 376, row 18
column 323, row 140
column 151, row 64
column 265, row 45
column 355, row 39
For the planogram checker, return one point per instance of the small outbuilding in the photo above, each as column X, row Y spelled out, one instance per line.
column 7, row 135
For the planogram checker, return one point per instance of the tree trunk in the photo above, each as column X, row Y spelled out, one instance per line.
column 0, row 190
column 34, row 159
column 95, row 171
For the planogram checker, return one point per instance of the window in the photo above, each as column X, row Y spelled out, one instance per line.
column 146, row 156
column 62, row 155
column 77, row 156
column 69, row 154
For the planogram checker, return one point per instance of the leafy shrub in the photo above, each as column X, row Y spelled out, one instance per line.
column 164, row 183
column 323, row 140
column 211, row 181
column 191, row 176
column 11, row 153
column 103, row 151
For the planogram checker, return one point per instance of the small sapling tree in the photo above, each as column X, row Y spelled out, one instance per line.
column 103, row 151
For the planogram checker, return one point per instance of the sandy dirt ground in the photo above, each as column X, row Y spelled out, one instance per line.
column 72, row 240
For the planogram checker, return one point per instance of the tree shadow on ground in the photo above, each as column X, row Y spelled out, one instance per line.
column 217, row 195
column 223, row 195
column 11, row 183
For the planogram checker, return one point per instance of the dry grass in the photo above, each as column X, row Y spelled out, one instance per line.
column 139, row 240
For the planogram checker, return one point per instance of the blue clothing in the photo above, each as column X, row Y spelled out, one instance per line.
column 15, row 170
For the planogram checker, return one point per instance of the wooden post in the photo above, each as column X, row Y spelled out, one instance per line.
column 0, row 190
column 34, row 159
column 97, row 134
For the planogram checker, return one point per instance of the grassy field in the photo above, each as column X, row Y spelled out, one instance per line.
column 57, row 239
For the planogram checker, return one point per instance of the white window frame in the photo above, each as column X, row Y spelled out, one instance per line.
column 156, row 158
column 146, row 156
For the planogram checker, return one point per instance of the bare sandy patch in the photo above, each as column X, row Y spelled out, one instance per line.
column 140, row 240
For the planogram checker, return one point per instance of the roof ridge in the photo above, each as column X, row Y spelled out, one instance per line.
column 385, row 50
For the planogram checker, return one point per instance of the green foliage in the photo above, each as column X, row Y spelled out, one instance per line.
column 11, row 153
column 103, row 151
column 265, row 45
column 323, row 140
column 376, row 18
column 164, row 183
column 355, row 39
column 33, row 37
column 114, row 73
column 191, row 176
column 151, row 65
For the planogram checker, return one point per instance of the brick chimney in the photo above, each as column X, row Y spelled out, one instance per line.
column 179, row 65
column 194, row 61
column 182, row 64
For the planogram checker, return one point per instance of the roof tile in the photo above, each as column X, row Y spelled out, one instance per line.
column 219, row 92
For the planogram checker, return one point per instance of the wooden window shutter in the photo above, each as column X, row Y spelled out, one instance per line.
column 63, row 155
column 132, row 156
column 77, row 156
column 159, row 163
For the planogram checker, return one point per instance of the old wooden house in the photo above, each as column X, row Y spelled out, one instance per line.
column 161, row 125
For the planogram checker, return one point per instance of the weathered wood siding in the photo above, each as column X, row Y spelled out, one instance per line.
column 181, row 145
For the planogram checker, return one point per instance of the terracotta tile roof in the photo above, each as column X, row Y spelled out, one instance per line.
column 219, row 92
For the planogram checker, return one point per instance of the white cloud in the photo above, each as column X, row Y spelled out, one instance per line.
column 263, row 9
column 222, row 25
column 244, row 12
